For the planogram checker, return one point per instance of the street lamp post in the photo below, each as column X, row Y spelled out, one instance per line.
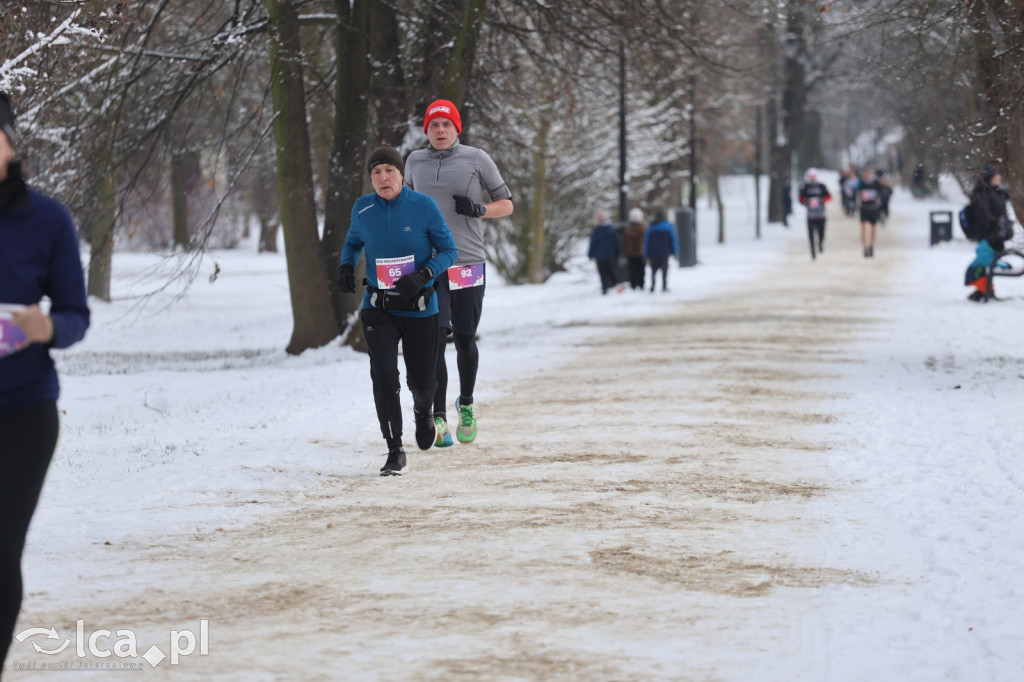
column 623, row 188
column 693, row 148
column 757, row 173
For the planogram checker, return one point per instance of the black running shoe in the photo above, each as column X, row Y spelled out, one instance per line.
column 395, row 463
column 426, row 431
column 976, row 296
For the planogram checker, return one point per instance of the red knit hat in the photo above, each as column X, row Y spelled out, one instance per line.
column 442, row 108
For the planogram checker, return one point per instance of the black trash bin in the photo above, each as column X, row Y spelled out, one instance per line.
column 687, row 233
column 941, row 227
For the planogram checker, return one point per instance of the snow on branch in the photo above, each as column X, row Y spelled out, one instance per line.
column 13, row 71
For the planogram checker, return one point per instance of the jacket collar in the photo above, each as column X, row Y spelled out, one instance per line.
column 441, row 153
column 13, row 191
column 397, row 201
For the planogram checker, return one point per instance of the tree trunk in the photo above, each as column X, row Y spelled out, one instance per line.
column 539, row 204
column 102, row 221
column 388, row 91
column 459, row 70
column 433, row 36
column 789, row 119
column 313, row 320
column 1001, row 81
column 347, row 174
column 778, row 163
column 186, row 178
column 713, row 179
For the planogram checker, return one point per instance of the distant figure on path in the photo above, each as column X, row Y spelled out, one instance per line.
column 660, row 242
column 633, row 248
column 604, row 250
column 814, row 195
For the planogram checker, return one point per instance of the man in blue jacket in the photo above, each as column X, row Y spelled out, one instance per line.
column 39, row 258
column 660, row 242
column 407, row 244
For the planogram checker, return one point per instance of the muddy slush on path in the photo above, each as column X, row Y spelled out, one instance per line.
column 672, row 496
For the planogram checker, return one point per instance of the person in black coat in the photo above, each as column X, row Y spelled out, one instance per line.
column 988, row 205
column 787, row 200
column 869, row 193
column 988, row 208
column 605, row 250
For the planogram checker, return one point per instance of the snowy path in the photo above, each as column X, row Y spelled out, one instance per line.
column 664, row 505
column 665, row 495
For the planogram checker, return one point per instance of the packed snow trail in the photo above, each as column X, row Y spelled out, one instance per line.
column 685, row 529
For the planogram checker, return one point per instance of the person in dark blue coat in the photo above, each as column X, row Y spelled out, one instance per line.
column 660, row 242
column 39, row 258
column 605, row 250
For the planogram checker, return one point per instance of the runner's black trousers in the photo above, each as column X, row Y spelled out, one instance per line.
column 28, row 438
column 419, row 338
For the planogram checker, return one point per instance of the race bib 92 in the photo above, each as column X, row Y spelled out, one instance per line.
column 390, row 270
column 465, row 276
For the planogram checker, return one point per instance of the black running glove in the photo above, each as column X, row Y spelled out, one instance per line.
column 466, row 206
column 346, row 279
column 409, row 285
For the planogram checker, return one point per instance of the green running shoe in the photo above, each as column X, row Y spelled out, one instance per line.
column 466, row 431
column 444, row 436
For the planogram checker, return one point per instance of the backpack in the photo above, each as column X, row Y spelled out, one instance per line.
column 970, row 226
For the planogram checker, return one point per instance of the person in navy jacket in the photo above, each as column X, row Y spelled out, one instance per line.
column 604, row 249
column 39, row 258
column 660, row 242
column 407, row 244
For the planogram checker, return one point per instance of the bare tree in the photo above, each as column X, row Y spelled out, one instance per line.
column 312, row 319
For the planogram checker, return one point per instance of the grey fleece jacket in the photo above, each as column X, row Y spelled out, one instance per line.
column 462, row 170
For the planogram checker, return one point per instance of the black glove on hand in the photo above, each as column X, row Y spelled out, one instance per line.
column 409, row 285
column 346, row 279
column 466, row 206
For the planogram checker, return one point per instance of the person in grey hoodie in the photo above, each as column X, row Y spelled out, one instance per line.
column 466, row 184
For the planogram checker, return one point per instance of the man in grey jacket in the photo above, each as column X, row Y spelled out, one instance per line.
column 466, row 184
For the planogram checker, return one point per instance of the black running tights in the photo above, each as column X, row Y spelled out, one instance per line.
column 816, row 227
column 418, row 336
column 27, row 441
column 468, row 362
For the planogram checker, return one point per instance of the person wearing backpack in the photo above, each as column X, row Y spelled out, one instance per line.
column 990, row 224
column 814, row 195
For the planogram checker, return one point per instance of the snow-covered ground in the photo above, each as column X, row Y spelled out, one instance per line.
column 185, row 417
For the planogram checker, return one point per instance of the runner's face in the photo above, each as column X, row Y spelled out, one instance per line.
column 387, row 181
column 441, row 133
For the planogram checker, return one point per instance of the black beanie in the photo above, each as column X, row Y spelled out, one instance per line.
column 385, row 154
column 7, row 119
column 988, row 172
